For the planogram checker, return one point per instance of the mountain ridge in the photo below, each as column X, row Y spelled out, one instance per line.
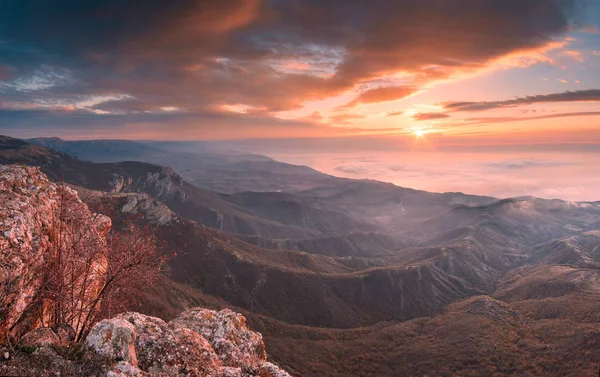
column 405, row 262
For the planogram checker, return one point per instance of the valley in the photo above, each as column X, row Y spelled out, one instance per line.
column 352, row 277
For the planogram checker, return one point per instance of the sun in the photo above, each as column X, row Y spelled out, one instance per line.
column 418, row 132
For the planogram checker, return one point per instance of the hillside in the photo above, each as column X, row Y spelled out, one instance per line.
column 227, row 172
column 212, row 209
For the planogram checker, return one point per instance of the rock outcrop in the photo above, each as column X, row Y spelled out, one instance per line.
column 37, row 219
column 165, row 350
column 41, row 337
column 114, row 339
column 200, row 342
column 227, row 333
column 152, row 210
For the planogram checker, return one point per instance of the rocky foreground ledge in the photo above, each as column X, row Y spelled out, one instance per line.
column 198, row 343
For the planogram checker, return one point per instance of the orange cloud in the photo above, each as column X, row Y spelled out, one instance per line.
column 220, row 17
column 527, row 57
column 430, row 116
column 591, row 29
column 296, row 66
column 383, row 94
column 277, row 56
column 394, row 113
column 345, row 118
column 574, row 54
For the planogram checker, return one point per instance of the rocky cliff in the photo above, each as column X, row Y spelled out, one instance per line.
column 38, row 219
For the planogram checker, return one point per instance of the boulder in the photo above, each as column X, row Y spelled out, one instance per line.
column 115, row 339
column 167, row 350
column 41, row 337
column 152, row 210
column 136, row 345
column 227, row 333
column 65, row 332
column 232, row 372
column 267, row 369
column 123, row 369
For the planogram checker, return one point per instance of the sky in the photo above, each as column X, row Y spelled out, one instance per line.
column 388, row 76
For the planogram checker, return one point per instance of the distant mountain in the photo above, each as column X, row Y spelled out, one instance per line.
column 215, row 210
column 225, row 172
column 100, row 150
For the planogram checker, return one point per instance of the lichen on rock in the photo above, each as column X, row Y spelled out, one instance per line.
column 181, row 347
column 114, row 339
column 226, row 331
column 165, row 350
column 123, row 369
column 268, row 369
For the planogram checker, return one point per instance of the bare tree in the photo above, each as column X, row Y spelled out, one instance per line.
column 86, row 276
column 133, row 264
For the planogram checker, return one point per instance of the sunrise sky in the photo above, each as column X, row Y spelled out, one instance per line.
column 339, row 76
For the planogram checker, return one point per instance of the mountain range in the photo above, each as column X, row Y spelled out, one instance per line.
column 352, row 277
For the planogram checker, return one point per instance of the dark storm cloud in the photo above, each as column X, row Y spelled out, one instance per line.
column 592, row 95
column 269, row 55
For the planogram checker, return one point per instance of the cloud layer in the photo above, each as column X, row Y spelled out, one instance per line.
column 114, row 64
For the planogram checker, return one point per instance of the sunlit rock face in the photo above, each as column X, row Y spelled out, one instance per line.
column 37, row 219
column 227, row 333
column 162, row 349
column 200, row 342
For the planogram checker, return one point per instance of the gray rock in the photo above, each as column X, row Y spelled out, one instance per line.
column 65, row 332
column 123, row 369
column 43, row 336
column 154, row 211
column 226, row 331
column 232, row 372
column 165, row 350
column 114, row 338
column 271, row 370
